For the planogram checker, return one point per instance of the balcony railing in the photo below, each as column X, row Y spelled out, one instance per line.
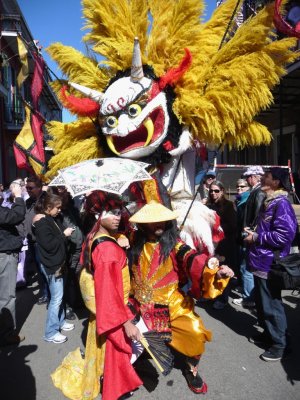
column 14, row 115
column 10, row 22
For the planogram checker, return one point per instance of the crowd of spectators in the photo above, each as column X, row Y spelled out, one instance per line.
column 28, row 210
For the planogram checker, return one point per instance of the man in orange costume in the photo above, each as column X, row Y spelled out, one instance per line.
column 162, row 264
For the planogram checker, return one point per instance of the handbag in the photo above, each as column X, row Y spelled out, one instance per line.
column 285, row 271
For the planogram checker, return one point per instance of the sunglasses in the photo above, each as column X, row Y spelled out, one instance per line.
column 241, row 186
column 214, row 191
column 30, row 187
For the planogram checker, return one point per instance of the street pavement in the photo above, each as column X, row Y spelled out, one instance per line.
column 231, row 365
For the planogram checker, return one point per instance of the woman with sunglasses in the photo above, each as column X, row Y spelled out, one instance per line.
column 243, row 192
column 226, row 248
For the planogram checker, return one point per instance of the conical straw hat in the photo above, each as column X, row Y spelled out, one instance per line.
column 153, row 212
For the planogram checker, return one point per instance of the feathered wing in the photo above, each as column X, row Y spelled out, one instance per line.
column 78, row 67
column 235, row 85
column 176, row 25
column 72, row 143
column 112, row 27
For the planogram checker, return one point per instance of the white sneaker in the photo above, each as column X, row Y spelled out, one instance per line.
column 67, row 326
column 57, row 338
column 243, row 303
column 238, row 302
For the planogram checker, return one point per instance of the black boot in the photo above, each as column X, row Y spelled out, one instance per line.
column 194, row 380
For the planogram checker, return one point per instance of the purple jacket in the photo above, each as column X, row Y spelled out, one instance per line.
column 276, row 228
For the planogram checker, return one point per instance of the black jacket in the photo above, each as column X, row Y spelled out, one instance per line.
column 51, row 244
column 10, row 240
column 253, row 206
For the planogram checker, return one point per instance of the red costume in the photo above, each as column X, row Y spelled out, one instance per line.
column 112, row 284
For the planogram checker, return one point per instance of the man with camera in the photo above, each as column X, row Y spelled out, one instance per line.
column 254, row 202
column 275, row 231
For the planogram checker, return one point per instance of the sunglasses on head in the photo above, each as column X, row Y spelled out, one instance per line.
column 214, row 191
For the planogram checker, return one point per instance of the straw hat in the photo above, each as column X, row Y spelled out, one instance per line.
column 153, row 212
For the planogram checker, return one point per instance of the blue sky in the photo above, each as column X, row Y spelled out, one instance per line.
column 61, row 21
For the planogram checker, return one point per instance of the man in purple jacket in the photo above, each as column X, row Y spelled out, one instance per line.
column 276, row 228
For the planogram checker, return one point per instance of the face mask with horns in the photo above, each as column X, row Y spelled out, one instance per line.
column 134, row 114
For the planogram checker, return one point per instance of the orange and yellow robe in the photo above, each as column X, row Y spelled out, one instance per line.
column 157, row 282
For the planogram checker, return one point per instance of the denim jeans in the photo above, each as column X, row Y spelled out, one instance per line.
column 56, row 313
column 270, row 312
column 246, row 276
column 44, row 287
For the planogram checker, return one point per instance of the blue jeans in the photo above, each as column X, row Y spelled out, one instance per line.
column 56, row 313
column 270, row 312
column 44, row 287
column 246, row 276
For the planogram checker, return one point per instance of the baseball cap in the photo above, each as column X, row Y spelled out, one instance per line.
column 210, row 172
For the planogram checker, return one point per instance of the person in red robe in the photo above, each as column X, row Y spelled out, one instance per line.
column 105, row 287
column 107, row 262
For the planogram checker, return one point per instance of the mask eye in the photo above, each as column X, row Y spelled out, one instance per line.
column 134, row 110
column 111, row 122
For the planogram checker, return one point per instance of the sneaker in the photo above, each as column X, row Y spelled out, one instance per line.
column 219, row 305
column 238, row 302
column 243, row 303
column 57, row 338
column 42, row 300
column 237, row 289
column 67, row 326
column 260, row 339
column 272, row 355
column 12, row 339
column 70, row 315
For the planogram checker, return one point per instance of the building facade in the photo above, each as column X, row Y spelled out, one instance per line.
column 282, row 118
column 12, row 112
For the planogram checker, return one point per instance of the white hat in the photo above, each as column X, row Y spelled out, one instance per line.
column 253, row 170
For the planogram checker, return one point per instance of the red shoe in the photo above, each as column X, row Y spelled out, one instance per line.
column 197, row 390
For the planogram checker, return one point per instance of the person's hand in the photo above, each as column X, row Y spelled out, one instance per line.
column 37, row 217
column 123, row 242
column 132, row 331
column 16, row 190
column 250, row 235
column 224, row 272
column 204, row 201
column 68, row 232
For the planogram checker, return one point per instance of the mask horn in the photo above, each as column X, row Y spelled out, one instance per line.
column 136, row 68
column 92, row 94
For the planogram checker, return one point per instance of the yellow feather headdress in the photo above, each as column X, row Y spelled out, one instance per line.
column 217, row 98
